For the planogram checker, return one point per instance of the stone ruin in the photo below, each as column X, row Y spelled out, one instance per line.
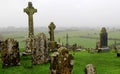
column 40, row 51
column 10, row 53
column 90, row 69
column 61, row 62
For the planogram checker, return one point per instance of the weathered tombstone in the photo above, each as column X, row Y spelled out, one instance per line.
column 30, row 10
column 51, row 32
column 52, row 43
column 61, row 62
column 103, row 38
column 40, row 52
column 67, row 45
column 90, row 69
column 103, row 41
column 29, row 45
column 10, row 53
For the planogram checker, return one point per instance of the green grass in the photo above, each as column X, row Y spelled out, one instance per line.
column 105, row 63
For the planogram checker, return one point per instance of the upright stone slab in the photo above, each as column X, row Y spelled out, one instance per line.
column 29, row 45
column 30, row 10
column 52, row 43
column 40, row 52
column 103, row 38
column 61, row 62
column 67, row 44
column 10, row 53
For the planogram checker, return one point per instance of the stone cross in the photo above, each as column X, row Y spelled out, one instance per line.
column 30, row 10
column 103, row 37
column 51, row 32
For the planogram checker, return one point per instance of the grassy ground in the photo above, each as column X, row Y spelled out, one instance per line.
column 105, row 63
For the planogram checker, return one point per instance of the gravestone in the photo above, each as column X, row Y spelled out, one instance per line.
column 10, row 53
column 51, row 32
column 30, row 10
column 90, row 69
column 61, row 62
column 67, row 45
column 29, row 45
column 103, row 41
column 103, row 38
column 52, row 43
column 40, row 52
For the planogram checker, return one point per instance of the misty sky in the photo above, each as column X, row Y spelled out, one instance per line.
column 73, row 13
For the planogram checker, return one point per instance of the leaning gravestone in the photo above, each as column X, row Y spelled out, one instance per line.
column 10, row 53
column 30, row 10
column 90, row 69
column 61, row 62
column 40, row 52
column 52, row 43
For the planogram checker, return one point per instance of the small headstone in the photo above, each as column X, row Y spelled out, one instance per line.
column 61, row 62
column 10, row 53
column 90, row 69
column 40, row 52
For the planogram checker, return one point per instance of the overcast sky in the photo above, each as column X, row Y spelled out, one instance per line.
column 76, row 13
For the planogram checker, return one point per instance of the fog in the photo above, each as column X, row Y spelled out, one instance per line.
column 64, row 13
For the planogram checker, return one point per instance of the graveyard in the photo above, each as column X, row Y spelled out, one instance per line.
column 58, row 50
column 106, row 62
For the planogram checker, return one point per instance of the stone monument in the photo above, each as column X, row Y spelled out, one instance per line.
column 52, row 43
column 40, row 52
column 10, row 53
column 30, row 10
column 103, row 37
column 103, row 41
column 61, row 62
column 67, row 45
